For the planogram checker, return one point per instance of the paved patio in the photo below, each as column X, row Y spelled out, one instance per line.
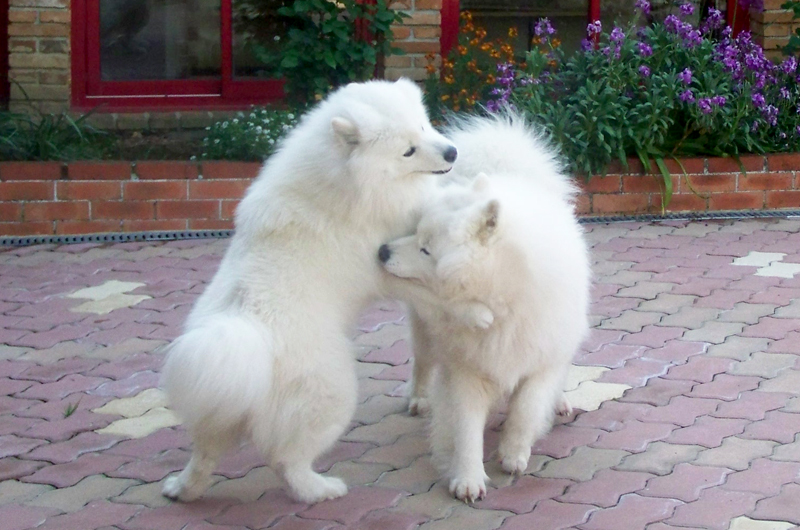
column 686, row 396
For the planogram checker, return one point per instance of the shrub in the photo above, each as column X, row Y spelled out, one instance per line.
column 251, row 136
column 793, row 47
column 50, row 137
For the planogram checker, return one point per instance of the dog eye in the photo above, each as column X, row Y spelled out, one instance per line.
column 411, row 151
column 425, row 251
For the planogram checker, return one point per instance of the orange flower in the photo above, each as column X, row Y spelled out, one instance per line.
column 490, row 79
column 466, row 15
column 494, row 54
column 445, row 97
column 462, row 50
column 512, row 32
column 556, row 42
column 480, row 33
column 431, row 69
column 474, row 42
column 486, row 47
column 449, row 80
column 536, row 40
column 552, row 63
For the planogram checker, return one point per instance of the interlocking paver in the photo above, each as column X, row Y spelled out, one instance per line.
column 782, row 507
column 739, row 348
column 522, row 496
column 583, row 463
column 605, row 488
column 91, row 488
column 751, row 405
column 735, row 453
column 714, row 509
column 764, row 476
column 777, row 425
column 549, row 514
column 685, row 482
column 659, row 458
column 725, row 387
column 635, row 511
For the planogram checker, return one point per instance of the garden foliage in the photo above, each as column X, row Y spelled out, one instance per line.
column 42, row 136
column 252, row 136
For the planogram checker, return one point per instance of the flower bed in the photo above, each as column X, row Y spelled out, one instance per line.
column 45, row 198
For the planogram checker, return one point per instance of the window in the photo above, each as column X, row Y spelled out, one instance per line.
column 170, row 53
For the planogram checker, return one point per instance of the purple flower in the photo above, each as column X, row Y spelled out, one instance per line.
column 789, row 65
column 543, row 27
column 643, row 6
column 645, row 50
column 644, row 70
column 798, row 130
column 758, row 100
column 672, row 23
column 686, row 9
column 785, row 94
column 770, row 113
column 594, row 28
column 719, row 101
column 693, row 38
column 586, row 45
column 754, row 126
column 685, row 76
column 713, row 21
column 704, row 104
column 686, row 96
column 617, row 35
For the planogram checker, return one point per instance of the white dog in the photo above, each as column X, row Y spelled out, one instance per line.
column 499, row 274
column 265, row 354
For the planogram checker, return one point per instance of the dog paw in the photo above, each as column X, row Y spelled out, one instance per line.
column 514, row 465
column 320, row 489
column 418, row 406
column 563, row 406
column 468, row 489
column 176, row 489
column 514, row 456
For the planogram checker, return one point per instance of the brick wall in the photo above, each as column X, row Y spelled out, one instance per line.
column 417, row 36
column 43, row 198
column 39, row 54
column 772, row 27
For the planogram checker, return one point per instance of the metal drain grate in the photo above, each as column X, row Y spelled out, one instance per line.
column 125, row 237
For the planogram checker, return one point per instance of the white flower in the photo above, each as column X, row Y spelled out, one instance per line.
column 259, row 129
column 290, row 116
column 235, row 121
column 216, row 141
column 225, row 125
column 270, row 141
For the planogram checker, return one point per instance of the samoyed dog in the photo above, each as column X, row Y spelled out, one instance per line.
column 265, row 354
column 499, row 274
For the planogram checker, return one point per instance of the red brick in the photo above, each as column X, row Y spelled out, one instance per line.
column 691, row 166
column 187, row 210
column 53, row 210
column 783, row 199
column 743, row 200
column 170, row 170
column 86, row 227
column 228, row 209
column 149, row 190
column 583, row 204
column 652, row 183
column 629, row 203
column 123, row 210
column 687, row 202
column 607, row 184
column 418, row 46
column 781, row 162
column 149, row 225
column 218, row 189
column 428, row 4
column 10, row 211
column 765, row 181
column 731, row 165
column 231, row 170
column 83, row 190
column 99, row 170
column 21, row 190
column 26, row 229
column 714, row 182
column 210, row 224
column 635, row 167
column 30, row 170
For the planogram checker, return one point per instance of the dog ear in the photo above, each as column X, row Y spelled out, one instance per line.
column 486, row 224
column 409, row 88
column 346, row 130
column 481, row 182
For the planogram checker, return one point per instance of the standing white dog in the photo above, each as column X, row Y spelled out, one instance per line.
column 265, row 354
column 499, row 274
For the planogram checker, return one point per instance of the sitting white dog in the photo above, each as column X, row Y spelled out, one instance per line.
column 499, row 273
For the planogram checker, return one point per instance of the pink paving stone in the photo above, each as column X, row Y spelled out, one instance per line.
column 611, row 415
column 261, row 513
column 122, row 332
column 782, row 507
column 54, row 409
column 610, row 356
column 634, row 436
column 151, row 469
column 752, row 405
column 618, row 244
column 376, row 318
column 550, row 515
column 69, row 474
column 14, row 425
column 776, row 295
column 714, row 509
column 765, row 477
column 396, row 354
column 524, row 495
column 635, row 511
column 563, row 439
column 63, row 387
column 69, row 450
column 13, row 387
column 239, row 463
column 754, row 283
column 700, row 369
column 96, row 514
column 681, row 410
column 602, row 290
column 661, row 264
column 723, row 298
column 685, row 482
column 130, row 386
column 65, row 428
column 12, row 369
column 598, row 338
column 390, row 521
column 700, row 286
column 14, row 468
column 155, row 443
column 657, row 392
column 203, row 525
column 293, row 522
column 613, row 306
column 777, row 425
column 678, row 275
column 48, row 339
column 772, row 328
column 51, row 373
column 725, row 387
column 17, row 517
column 395, row 373
column 654, row 336
column 707, row 431
column 11, row 445
column 639, row 254
column 12, row 336
column 605, row 488
column 353, row 506
column 635, row 372
column 47, row 321
column 341, row 451
column 790, row 344
column 16, row 405
column 175, row 516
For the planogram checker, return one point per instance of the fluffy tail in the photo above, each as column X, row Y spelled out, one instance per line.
column 219, row 370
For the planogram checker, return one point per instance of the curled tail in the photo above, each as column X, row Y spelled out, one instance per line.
column 219, row 370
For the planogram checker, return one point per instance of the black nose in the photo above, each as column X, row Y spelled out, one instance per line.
column 450, row 154
column 384, row 253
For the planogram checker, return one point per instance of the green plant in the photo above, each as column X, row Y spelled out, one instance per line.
column 327, row 44
column 70, row 409
column 251, row 136
column 793, row 47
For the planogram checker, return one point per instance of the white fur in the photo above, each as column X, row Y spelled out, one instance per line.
column 499, row 274
column 265, row 354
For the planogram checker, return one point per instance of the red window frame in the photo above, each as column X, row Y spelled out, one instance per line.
column 226, row 92
column 4, row 85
